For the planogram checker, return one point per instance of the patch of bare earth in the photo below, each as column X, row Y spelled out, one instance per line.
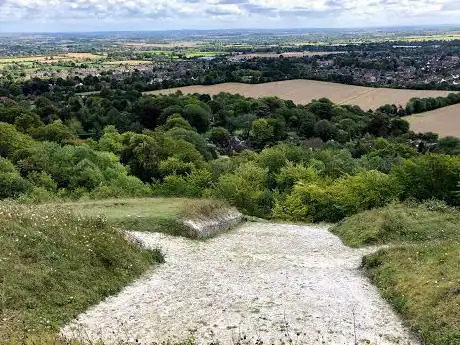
column 266, row 282
column 304, row 91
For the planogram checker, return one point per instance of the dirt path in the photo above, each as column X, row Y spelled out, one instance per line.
column 268, row 281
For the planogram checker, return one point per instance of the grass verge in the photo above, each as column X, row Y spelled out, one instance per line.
column 423, row 284
column 419, row 274
column 164, row 215
column 400, row 223
column 54, row 264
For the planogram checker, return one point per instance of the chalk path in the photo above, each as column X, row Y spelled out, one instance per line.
column 262, row 281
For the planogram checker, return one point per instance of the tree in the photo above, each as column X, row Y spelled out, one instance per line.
column 11, row 140
column 219, row 136
column 198, row 117
column 262, row 133
column 379, row 125
column 177, row 121
column 55, row 131
column 323, row 108
column 147, row 112
column 398, row 127
column 11, row 183
column 307, row 123
column 325, row 130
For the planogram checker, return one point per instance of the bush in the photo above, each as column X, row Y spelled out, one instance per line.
column 290, row 174
column 428, row 177
column 38, row 195
column 190, row 185
column 11, row 183
column 174, row 166
column 323, row 201
column 245, row 189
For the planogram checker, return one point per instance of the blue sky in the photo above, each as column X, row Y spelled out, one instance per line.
column 100, row 15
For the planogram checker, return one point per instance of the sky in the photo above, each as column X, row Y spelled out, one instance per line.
column 126, row 15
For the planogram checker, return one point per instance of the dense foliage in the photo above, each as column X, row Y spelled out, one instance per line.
column 421, row 105
column 269, row 157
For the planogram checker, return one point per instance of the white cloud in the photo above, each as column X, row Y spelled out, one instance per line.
column 168, row 14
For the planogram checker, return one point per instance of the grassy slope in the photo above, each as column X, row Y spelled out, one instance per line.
column 150, row 214
column 56, row 260
column 54, row 264
column 423, row 284
column 399, row 224
column 420, row 274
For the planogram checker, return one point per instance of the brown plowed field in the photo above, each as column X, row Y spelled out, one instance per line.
column 304, row 91
column 444, row 121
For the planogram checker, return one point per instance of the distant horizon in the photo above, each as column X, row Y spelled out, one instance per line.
column 43, row 16
column 236, row 29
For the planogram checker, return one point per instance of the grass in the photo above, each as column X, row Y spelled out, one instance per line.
column 54, row 264
column 163, row 215
column 400, row 223
column 423, row 284
column 203, row 54
column 147, row 214
column 56, row 260
column 419, row 273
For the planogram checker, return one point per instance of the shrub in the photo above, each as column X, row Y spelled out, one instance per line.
column 306, row 202
column 38, row 195
column 245, row 189
column 11, row 183
column 190, row 185
column 174, row 166
column 429, row 176
column 322, row 201
column 42, row 180
column 290, row 174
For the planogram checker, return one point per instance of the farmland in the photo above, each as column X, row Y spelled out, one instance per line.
column 445, row 121
column 50, row 58
column 283, row 54
column 304, row 91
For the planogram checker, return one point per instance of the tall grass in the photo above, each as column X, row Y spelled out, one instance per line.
column 419, row 273
column 54, row 264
